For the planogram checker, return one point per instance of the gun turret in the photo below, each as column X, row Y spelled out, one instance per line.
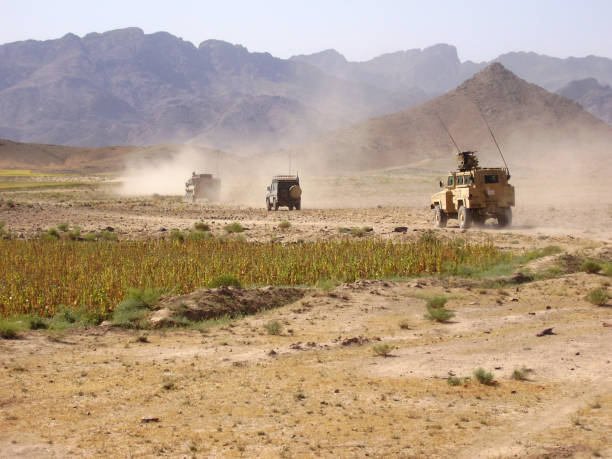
column 467, row 160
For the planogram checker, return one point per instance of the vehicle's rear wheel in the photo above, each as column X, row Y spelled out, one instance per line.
column 465, row 217
column 440, row 218
column 505, row 218
column 275, row 205
column 290, row 207
column 298, row 206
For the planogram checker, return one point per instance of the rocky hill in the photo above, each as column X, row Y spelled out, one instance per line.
column 594, row 97
column 532, row 125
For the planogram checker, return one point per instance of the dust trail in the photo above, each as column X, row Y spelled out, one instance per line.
column 165, row 175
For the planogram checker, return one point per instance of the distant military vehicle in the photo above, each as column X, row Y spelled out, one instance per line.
column 474, row 194
column 284, row 191
column 202, row 186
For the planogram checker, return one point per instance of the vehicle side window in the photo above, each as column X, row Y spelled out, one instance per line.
column 460, row 180
column 450, row 182
column 493, row 178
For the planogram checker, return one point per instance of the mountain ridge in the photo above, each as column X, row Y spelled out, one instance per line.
column 130, row 88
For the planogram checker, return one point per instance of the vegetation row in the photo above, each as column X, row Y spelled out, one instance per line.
column 41, row 276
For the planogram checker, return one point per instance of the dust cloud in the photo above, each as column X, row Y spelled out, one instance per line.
column 164, row 175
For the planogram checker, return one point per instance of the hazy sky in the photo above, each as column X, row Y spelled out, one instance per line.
column 359, row 29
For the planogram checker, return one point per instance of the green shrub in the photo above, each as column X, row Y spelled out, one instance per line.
column 91, row 237
column 454, row 381
column 201, row 226
column 75, row 233
column 441, row 315
column 590, row 267
column 357, row 232
column 437, row 302
column 36, row 323
column 133, row 310
column 62, row 227
column 234, row 228
column 51, row 235
column 108, row 236
column 483, row 377
column 273, row 327
column 177, row 235
column 284, row 224
column 327, row 284
column 199, row 235
column 67, row 317
column 224, row 280
column 598, row 297
column 8, row 330
column 520, row 374
column 436, row 310
column 540, row 253
column 382, row 350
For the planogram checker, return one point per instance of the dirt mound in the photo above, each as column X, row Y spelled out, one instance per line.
column 213, row 303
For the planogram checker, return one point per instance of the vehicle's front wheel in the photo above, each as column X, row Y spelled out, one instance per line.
column 268, row 205
column 298, row 206
column 505, row 218
column 465, row 218
column 440, row 218
column 275, row 205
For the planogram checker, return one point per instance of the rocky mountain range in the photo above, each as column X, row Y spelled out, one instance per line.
column 536, row 129
column 125, row 87
column 438, row 69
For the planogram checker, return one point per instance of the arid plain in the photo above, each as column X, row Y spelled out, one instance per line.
column 353, row 369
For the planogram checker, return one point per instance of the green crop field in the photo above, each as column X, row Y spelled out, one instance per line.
column 39, row 276
column 31, row 185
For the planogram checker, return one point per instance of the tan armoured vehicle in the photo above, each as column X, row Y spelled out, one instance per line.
column 473, row 194
column 202, row 186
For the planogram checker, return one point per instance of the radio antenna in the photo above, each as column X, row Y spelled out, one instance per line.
column 448, row 132
column 492, row 136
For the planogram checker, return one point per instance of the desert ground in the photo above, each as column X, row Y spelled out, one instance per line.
column 316, row 387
